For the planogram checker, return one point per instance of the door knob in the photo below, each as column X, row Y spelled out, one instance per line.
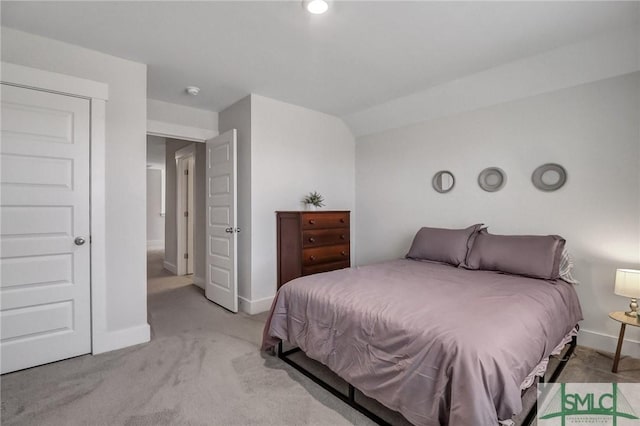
column 229, row 230
column 79, row 241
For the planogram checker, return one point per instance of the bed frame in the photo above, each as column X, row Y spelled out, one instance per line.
column 350, row 398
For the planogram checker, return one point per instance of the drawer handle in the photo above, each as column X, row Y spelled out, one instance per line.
column 312, row 240
column 342, row 220
column 342, row 237
column 312, row 258
column 312, row 222
column 344, row 253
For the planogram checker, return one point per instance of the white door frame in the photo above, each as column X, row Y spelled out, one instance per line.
column 98, row 94
column 183, row 154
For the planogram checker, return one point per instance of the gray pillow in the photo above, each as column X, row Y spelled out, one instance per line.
column 535, row 256
column 443, row 245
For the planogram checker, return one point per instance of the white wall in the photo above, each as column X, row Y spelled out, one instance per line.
column 284, row 152
column 155, row 152
column 238, row 116
column 182, row 115
column 294, row 150
column 591, row 129
column 125, row 162
column 155, row 220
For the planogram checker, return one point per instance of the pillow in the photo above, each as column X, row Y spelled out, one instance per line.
column 531, row 255
column 442, row 245
column 566, row 267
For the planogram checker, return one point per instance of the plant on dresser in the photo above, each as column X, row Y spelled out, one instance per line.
column 312, row 242
column 313, row 200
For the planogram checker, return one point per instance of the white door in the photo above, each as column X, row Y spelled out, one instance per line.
column 190, row 209
column 222, row 265
column 45, row 250
column 184, row 227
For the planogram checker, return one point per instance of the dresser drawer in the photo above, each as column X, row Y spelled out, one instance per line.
column 323, row 237
column 325, row 267
column 310, row 242
column 318, row 255
column 325, row 220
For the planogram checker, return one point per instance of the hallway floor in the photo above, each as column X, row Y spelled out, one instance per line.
column 160, row 280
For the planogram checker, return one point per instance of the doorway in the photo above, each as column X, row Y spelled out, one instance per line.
column 175, row 206
column 201, row 214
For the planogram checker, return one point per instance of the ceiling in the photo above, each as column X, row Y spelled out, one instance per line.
column 358, row 55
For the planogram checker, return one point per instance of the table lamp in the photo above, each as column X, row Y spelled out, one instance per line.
column 628, row 284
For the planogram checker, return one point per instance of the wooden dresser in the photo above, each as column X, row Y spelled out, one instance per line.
column 312, row 242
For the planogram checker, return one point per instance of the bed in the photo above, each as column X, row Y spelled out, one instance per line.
column 438, row 343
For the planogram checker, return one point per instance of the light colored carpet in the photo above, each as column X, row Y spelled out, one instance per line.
column 202, row 366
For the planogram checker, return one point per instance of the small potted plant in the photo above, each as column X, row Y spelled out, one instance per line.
column 313, row 200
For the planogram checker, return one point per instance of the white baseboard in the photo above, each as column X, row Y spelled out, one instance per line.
column 607, row 343
column 170, row 267
column 112, row 340
column 253, row 307
column 198, row 281
column 155, row 244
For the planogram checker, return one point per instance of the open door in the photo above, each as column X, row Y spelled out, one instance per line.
column 191, row 163
column 221, row 285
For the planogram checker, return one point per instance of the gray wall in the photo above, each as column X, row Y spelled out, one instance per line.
column 155, row 222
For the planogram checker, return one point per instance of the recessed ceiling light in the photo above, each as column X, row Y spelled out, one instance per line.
column 317, row 7
column 193, row 90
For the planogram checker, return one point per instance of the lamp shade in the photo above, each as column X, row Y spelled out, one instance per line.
column 627, row 283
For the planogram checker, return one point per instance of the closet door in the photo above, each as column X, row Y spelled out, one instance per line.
column 45, row 243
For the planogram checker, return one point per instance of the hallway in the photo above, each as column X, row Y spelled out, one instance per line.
column 159, row 279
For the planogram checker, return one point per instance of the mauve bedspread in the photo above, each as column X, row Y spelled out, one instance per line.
column 442, row 345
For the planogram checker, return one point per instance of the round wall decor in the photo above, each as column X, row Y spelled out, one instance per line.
column 549, row 177
column 492, row 179
column 443, row 181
